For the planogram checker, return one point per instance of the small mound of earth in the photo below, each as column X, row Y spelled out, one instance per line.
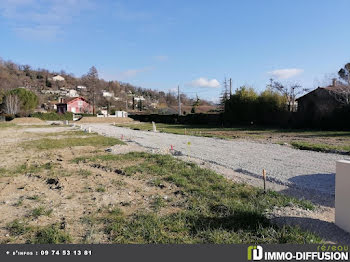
column 28, row 121
column 105, row 120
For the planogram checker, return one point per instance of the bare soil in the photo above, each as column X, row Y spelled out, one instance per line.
column 78, row 189
column 83, row 188
column 28, row 121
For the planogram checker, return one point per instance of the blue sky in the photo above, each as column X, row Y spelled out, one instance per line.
column 196, row 44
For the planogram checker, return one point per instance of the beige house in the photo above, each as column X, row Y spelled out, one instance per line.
column 58, row 78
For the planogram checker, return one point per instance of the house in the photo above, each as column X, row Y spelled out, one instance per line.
column 74, row 105
column 72, row 93
column 107, row 94
column 139, row 98
column 81, row 87
column 58, row 78
column 322, row 101
column 121, row 114
column 104, row 113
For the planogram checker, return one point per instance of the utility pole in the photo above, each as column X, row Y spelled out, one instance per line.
column 93, row 100
column 126, row 100
column 230, row 87
column 178, row 95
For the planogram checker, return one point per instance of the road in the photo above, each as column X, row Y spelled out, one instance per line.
column 284, row 165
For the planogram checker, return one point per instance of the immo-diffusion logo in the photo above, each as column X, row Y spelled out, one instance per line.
column 332, row 253
column 255, row 253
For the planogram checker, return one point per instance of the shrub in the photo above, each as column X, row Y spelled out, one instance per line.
column 247, row 106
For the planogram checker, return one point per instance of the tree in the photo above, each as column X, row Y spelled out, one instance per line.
column 27, row 99
column 344, row 73
column 241, row 107
column 195, row 104
column 11, row 104
column 291, row 92
column 91, row 80
column 341, row 93
column 271, row 101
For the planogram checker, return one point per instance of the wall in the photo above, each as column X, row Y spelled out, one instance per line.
column 342, row 195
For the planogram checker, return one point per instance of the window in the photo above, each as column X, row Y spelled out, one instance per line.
column 80, row 103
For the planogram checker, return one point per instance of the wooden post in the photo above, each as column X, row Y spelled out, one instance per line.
column 264, row 178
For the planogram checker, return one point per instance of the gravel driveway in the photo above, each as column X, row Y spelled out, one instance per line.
column 294, row 168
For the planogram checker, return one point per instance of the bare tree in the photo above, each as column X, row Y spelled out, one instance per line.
column 92, row 81
column 224, row 95
column 11, row 104
column 291, row 92
column 342, row 95
column 340, row 92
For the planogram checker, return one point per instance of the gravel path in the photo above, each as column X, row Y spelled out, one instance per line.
column 287, row 166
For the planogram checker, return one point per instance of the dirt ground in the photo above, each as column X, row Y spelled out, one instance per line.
column 76, row 191
column 71, row 191
column 28, row 121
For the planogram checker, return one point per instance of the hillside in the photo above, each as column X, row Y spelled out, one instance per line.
column 51, row 86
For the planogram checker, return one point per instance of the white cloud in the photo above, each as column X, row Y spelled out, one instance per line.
column 42, row 18
column 286, row 73
column 205, row 82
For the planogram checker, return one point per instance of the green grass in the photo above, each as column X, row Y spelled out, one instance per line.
column 53, row 116
column 41, row 211
column 245, row 131
column 50, row 235
column 157, row 203
column 118, row 183
column 100, row 189
column 84, row 173
column 17, row 228
column 39, row 235
column 7, row 125
column 68, row 133
column 35, row 168
column 47, row 143
column 215, row 209
column 321, row 147
column 27, row 168
column 19, row 202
